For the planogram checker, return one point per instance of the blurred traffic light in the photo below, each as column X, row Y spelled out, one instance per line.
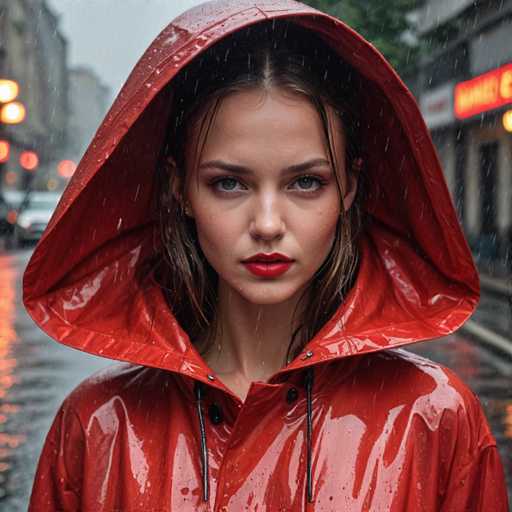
column 12, row 215
column 66, row 168
column 12, row 113
column 9, row 90
column 5, row 151
column 29, row 160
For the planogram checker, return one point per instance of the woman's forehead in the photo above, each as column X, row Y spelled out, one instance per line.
column 256, row 124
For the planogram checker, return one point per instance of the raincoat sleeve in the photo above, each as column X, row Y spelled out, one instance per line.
column 58, row 480
column 476, row 480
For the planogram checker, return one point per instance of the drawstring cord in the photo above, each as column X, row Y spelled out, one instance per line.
column 309, row 431
column 198, row 389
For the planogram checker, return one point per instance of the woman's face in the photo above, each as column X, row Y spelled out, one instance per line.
column 246, row 197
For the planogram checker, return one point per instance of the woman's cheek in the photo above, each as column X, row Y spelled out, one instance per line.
column 217, row 235
column 320, row 235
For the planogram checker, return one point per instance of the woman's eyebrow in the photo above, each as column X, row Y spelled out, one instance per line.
column 240, row 169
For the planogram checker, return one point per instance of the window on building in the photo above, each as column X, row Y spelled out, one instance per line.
column 488, row 175
column 460, row 171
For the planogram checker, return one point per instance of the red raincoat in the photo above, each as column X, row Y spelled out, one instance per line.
column 352, row 423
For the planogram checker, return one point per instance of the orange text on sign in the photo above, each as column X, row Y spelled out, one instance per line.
column 485, row 92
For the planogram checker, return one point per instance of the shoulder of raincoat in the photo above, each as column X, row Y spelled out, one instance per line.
column 353, row 422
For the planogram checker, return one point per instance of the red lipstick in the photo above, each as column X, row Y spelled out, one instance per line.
column 268, row 265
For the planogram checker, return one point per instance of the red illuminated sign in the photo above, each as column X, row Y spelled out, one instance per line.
column 485, row 92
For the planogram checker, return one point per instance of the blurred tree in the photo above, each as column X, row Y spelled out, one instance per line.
column 385, row 23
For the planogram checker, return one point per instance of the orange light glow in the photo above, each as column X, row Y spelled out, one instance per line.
column 5, row 151
column 508, row 421
column 66, row 168
column 12, row 215
column 485, row 92
column 29, row 160
column 13, row 113
column 507, row 121
column 9, row 90
column 51, row 184
column 8, row 359
column 10, row 177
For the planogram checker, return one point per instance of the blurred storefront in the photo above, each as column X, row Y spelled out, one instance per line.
column 465, row 92
column 481, row 105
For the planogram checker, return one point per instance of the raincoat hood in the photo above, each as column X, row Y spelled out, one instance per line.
column 416, row 278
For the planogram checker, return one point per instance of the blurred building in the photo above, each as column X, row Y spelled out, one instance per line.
column 34, row 53
column 89, row 100
column 464, row 87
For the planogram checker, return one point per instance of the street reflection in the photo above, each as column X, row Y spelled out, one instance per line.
column 35, row 376
column 489, row 375
column 10, row 440
column 508, row 421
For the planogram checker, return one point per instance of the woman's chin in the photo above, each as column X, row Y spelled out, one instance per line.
column 266, row 293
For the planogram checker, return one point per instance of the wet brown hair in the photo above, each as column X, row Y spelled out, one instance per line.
column 276, row 53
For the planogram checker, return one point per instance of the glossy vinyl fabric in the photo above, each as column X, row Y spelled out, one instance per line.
column 375, row 429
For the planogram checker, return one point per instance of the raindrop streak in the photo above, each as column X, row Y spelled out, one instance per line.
column 257, row 327
column 136, row 193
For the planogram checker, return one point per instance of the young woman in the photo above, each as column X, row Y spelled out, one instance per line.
column 259, row 223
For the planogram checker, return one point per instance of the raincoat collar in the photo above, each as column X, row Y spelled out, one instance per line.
column 416, row 279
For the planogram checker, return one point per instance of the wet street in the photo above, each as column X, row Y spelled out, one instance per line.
column 37, row 373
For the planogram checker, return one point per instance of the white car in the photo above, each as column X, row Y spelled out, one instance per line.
column 33, row 216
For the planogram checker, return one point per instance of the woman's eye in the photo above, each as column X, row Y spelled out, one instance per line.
column 228, row 184
column 309, row 183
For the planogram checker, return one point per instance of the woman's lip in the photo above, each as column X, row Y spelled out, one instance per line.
column 269, row 268
column 275, row 257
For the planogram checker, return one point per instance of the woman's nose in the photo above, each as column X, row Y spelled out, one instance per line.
column 267, row 222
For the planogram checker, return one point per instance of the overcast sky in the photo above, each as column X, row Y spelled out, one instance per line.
column 111, row 35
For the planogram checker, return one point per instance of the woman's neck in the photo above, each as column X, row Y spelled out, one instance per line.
column 252, row 340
